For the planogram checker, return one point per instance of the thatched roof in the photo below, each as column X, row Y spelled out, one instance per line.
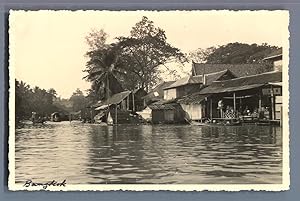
column 163, row 105
column 239, row 70
column 243, row 83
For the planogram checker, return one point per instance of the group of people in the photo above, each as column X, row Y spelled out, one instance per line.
column 228, row 112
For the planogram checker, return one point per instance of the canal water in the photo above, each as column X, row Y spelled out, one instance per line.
column 149, row 154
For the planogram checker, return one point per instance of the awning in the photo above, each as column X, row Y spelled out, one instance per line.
column 276, row 83
column 215, row 90
column 102, row 107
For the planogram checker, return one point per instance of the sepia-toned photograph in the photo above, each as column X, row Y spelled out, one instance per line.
column 148, row 100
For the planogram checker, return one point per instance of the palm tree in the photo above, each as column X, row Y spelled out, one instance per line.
column 102, row 65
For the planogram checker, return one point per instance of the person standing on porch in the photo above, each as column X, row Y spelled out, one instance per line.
column 220, row 107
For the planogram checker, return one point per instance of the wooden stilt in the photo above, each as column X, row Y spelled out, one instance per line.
column 127, row 103
column 211, row 116
column 133, row 104
column 272, row 104
column 259, row 102
column 116, row 114
column 234, row 102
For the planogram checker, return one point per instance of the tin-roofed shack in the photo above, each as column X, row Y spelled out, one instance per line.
column 166, row 112
column 122, row 107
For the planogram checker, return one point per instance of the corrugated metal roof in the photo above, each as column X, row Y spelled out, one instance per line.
column 117, row 98
column 242, row 83
column 195, row 98
column 162, row 107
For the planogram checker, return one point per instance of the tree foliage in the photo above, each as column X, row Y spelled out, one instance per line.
column 134, row 60
column 233, row 53
column 78, row 100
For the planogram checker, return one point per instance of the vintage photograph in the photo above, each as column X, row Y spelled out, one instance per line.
column 148, row 100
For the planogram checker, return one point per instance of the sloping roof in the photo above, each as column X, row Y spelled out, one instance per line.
column 185, row 81
column 211, row 77
column 116, row 98
column 195, row 98
column 242, row 83
column 158, row 92
column 274, row 54
column 240, row 70
column 199, row 79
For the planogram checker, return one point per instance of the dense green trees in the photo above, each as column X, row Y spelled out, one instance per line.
column 133, row 60
column 28, row 100
column 44, row 102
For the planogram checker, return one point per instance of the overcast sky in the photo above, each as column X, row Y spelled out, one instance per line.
column 47, row 47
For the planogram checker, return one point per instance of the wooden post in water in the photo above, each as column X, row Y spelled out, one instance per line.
column 234, row 103
column 211, row 109
column 133, row 105
column 116, row 114
column 127, row 103
column 259, row 102
column 272, row 104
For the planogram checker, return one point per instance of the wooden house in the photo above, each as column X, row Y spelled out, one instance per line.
column 192, row 84
column 185, row 92
column 122, row 106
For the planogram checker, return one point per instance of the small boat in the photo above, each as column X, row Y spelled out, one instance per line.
column 38, row 121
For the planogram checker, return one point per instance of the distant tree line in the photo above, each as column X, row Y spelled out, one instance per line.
column 44, row 102
column 33, row 99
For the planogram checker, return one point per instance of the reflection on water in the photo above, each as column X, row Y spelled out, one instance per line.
column 95, row 154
